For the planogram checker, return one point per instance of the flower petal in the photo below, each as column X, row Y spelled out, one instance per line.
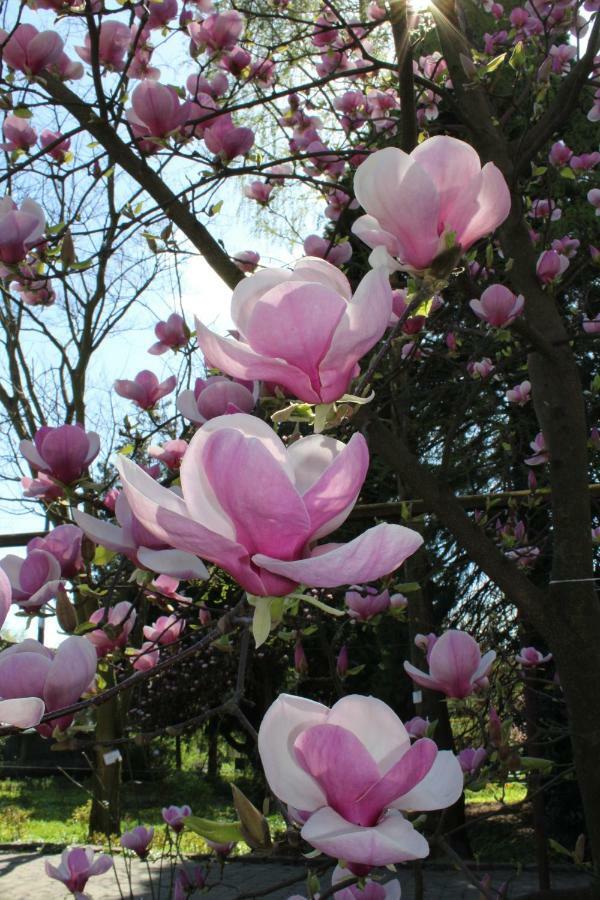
column 365, row 320
column 267, row 511
column 71, row 672
column 343, row 768
column 393, row 840
column 241, row 361
column 331, row 498
column 375, row 724
column 376, row 553
column 24, row 712
column 440, row 788
column 177, row 563
column 283, row 722
column 296, row 321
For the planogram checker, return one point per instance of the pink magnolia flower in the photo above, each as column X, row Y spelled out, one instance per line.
column 417, row 202
column 560, row 154
column 23, row 712
column 216, row 87
column 302, row 329
column 482, row 368
column 218, row 32
column 456, row 666
column 591, row 326
column 175, row 816
column 31, row 51
column 221, row 850
column 35, row 580
column 538, row 445
column 113, row 44
column 21, row 229
column 41, row 488
column 227, row 141
column 337, row 254
column 372, row 890
column 246, row 260
column 160, row 13
column 259, row 191
column 145, row 390
column 55, row 145
column 77, row 866
column 585, row 162
column 64, row 453
column 262, row 71
column 187, row 881
column 398, row 601
column 594, row 113
column 351, row 769
column 138, row 544
column 568, row 246
column 545, row 209
column 261, row 526
column 471, row 759
column 215, row 396
column 300, row 660
column 56, row 677
column 64, row 544
column 594, row 198
column 338, row 202
column 417, row 727
column 561, row 57
column 120, row 620
column 18, row 134
column 342, row 662
column 170, row 454
column 498, row 306
column 146, row 657
column 156, row 110
column 530, row 657
column 521, row 393
column 426, row 643
column 166, row 630
column 550, row 266
column 138, row 840
column 364, row 603
column 235, row 61
column 172, row 335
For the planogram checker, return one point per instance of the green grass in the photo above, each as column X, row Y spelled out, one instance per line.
column 513, row 792
column 55, row 810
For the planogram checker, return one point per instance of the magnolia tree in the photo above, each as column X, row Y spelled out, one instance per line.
column 439, row 141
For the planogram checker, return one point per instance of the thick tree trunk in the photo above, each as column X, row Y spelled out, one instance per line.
column 105, row 815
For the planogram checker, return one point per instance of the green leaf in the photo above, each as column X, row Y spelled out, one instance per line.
column 535, row 764
column 219, row 832
column 102, row 556
column 568, row 173
column 330, row 610
column 495, row 63
column 517, row 57
column 261, row 620
column 408, row 587
column 539, row 170
column 22, row 112
column 85, row 628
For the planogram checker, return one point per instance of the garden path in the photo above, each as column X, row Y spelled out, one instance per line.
column 22, row 877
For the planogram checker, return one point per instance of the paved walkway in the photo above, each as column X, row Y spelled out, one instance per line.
column 22, row 877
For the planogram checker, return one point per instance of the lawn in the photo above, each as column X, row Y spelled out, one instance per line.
column 55, row 810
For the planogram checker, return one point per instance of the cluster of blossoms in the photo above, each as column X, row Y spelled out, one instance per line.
column 301, row 333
